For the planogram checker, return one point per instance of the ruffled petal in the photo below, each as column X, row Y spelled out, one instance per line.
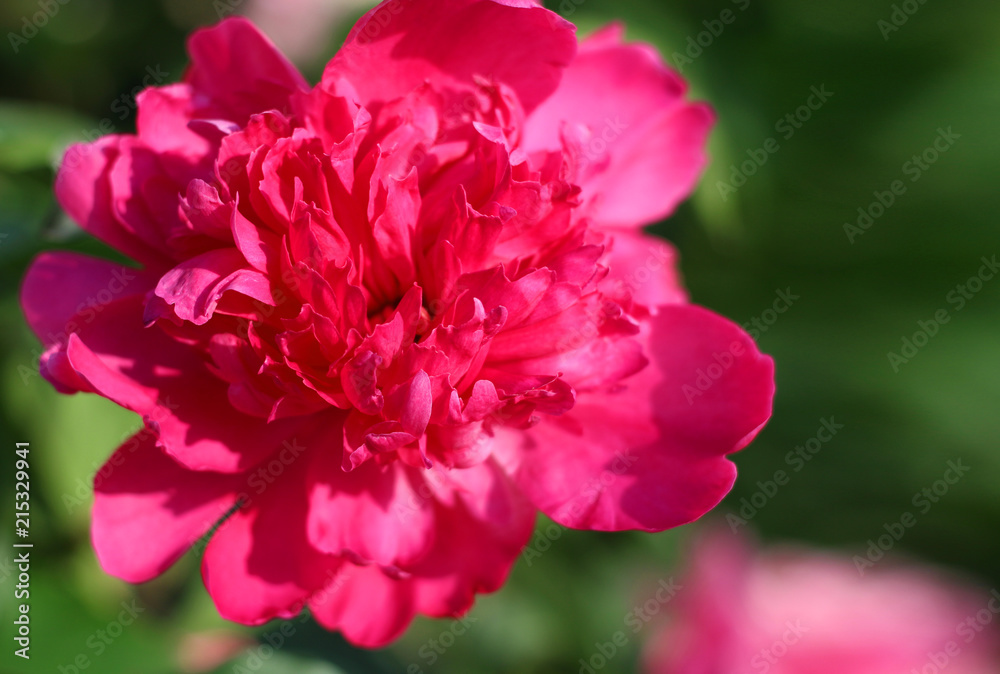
column 195, row 287
column 164, row 124
column 483, row 524
column 642, row 270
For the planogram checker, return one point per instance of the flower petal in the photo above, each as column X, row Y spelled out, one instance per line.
column 61, row 286
column 195, row 287
column 163, row 123
column 398, row 46
column 642, row 270
column 483, row 523
column 259, row 565
column 241, row 71
column 480, row 535
column 173, row 390
column 372, row 514
column 148, row 509
column 369, row 608
column 83, row 189
column 651, row 454
column 642, row 148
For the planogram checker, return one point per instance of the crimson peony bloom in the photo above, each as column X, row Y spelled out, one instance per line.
column 805, row 612
column 395, row 315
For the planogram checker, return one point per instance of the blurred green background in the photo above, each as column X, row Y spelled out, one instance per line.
column 859, row 293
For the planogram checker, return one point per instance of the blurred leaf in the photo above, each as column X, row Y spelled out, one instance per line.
column 113, row 641
column 75, row 435
column 34, row 136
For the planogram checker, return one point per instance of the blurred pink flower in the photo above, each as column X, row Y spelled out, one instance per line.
column 301, row 29
column 395, row 315
column 801, row 612
column 200, row 652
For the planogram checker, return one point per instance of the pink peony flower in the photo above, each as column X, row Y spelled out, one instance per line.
column 804, row 612
column 395, row 315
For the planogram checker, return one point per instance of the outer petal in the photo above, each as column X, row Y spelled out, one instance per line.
column 241, row 71
column 59, row 286
column 641, row 146
column 483, row 524
column 398, row 46
column 259, row 565
column 148, row 510
column 651, row 455
column 369, row 608
column 481, row 533
column 371, row 513
column 151, row 373
column 83, row 189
